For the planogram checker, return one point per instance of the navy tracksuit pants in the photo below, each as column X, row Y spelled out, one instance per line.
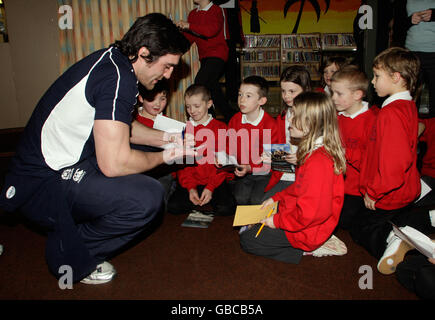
column 89, row 216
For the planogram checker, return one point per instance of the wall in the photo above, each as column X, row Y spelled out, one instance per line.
column 29, row 63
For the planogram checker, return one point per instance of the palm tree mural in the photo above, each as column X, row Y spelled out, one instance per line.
column 315, row 5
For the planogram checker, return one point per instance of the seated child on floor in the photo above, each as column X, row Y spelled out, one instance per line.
column 294, row 80
column 390, row 181
column 203, row 182
column 309, row 209
column 248, row 130
column 152, row 102
column 355, row 119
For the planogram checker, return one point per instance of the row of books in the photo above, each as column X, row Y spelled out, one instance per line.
column 298, row 41
column 263, row 41
column 302, row 56
column 338, row 40
column 261, row 56
column 264, row 71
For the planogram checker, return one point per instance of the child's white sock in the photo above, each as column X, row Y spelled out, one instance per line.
column 432, row 217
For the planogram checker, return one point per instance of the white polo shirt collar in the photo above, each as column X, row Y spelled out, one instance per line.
column 364, row 108
column 256, row 121
column 403, row 95
column 206, row 8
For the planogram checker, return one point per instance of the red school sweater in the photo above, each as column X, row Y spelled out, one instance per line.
column 390, row 175
column 250, row 146
column 145, row 121
column 280, row 138
column 355, row 136
column 204, row 173
column 428, row 136
column 211, row 24
column 309, row 209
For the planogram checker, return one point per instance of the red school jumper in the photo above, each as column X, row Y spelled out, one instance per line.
column 203, row 174
column 255, row 139
column 309, row 209
column 390, row 175
column 355, row 133
column 280, row 138
column 145, row 121
column 428, row 136
column 211, row 24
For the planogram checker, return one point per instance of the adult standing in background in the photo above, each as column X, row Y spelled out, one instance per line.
column 75, row 173
column 420, row 39
column 207, row 27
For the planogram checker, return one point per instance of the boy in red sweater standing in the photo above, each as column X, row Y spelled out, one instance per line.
column 206, row 25
column 355, row 119
column 202, row 183
column 248, row 130
column 390, row 181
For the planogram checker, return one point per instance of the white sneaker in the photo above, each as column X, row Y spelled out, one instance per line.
column 104, row 273
column 332, row 247
column 393, row 254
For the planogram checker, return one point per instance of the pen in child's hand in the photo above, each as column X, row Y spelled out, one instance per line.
column 262, row 226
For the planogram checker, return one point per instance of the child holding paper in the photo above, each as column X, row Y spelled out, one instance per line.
column 308, row 209
column 390, row 181
column 247, row 131
column 152, row 102
column 294, row 80
column 203, row 182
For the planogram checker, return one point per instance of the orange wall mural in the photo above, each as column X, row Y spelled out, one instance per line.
column 326, row 16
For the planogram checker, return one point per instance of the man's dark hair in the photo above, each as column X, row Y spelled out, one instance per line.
column 155, row 32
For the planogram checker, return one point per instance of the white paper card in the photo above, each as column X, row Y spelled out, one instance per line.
column 425, row 189
column 417, row 239
column 167, row 124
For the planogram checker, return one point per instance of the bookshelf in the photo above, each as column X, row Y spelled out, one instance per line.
column 268, row 54
column 302, row 49
column 338, row 42
column 261, row 56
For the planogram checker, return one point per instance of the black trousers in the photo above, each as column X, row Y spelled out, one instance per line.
column 270, row 243
column 208, row 75
column 427, row 64
column 417, row 275
column 222, row 201
column 370, row 229
column 351, row 206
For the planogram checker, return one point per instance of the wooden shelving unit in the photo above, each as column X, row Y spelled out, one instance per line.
column 268, row 54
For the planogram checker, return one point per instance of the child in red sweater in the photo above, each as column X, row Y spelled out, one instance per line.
column 248, row 130
column 309, row 209
column 294, row 80
column 206, row 26
column 427, row 135
column 390, row 181
column 330, row 66
column 203, row 182
column 152, row 102
column 355, row 119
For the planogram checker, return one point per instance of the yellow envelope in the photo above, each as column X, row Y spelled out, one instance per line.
column 251, row 214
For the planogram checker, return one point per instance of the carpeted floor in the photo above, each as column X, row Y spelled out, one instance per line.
column 179, row 263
